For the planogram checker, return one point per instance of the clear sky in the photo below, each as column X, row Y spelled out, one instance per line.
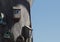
column 45, row 16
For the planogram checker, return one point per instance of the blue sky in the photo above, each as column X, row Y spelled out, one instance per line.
column 45, row 16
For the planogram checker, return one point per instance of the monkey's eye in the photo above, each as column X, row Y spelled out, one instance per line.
column 16, row 11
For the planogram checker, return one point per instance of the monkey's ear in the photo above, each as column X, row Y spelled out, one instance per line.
column 25, row 31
